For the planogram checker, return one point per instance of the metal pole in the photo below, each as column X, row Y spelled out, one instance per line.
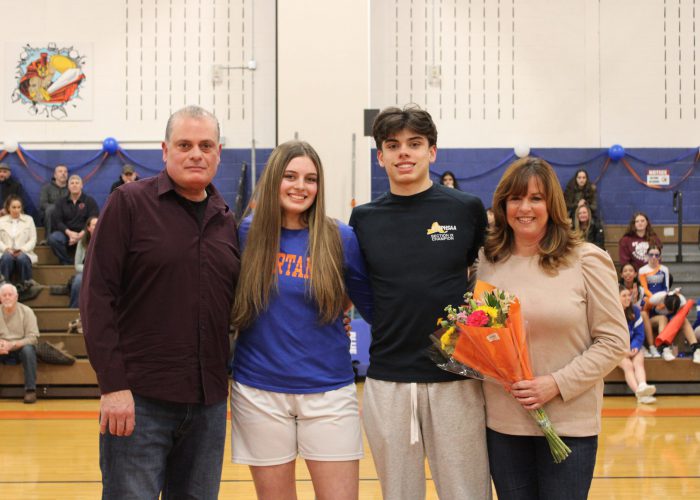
column 353, row 166
column 678, row 208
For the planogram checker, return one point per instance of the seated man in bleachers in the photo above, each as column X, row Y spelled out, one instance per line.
column 51, row 192
column 69, row 217
column 8, row 186
column 19, row 334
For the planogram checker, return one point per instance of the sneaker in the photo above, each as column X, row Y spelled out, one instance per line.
column 29, row 397
column 696, row 356
column 654, row 352
column 667, row 353
column 646, row 400
column 646, row 352
column 644, row 390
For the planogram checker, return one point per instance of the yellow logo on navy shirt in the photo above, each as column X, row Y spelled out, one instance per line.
column 439, row 232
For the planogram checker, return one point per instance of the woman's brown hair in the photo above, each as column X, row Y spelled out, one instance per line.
column 649, row 233
column 258, row 263
column 559, row 238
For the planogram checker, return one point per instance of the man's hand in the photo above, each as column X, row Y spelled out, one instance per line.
column 117, row 413
column 4, row 347
column 533, row 394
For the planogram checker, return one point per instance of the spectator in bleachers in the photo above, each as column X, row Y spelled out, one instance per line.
column 449, row 180
column 80, row 252
column 51, row 192
column 588, row 227
column 579, row 190
column 665, row 306
column 636, row 241
column 17, row 241
column 19, row 334
column 630, row 278
column 128, row 175
column 633, row 363
column 69, row 218
column 8, row 186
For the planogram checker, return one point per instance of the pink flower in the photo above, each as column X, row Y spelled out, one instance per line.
column 478, row 318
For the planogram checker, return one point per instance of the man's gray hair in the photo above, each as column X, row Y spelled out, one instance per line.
column 75, row 176
column 10, row 286
column 191, row 112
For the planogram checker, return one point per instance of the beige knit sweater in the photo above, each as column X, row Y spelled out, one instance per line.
column 576, row 331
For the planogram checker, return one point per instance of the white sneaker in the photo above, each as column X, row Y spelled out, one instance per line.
column 654, row 352
column 644, row 390
column 646, row 352
column 696, row 356
column 667, row 353
column 646, row 400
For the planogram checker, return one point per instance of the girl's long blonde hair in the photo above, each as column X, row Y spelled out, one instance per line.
column 258, row 277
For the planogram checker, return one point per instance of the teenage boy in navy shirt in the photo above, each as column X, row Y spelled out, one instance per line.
column 419, row 240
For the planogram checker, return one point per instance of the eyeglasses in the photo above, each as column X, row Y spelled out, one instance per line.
column 654, row 254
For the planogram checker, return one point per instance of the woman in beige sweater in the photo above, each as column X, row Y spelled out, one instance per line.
column 576, row 334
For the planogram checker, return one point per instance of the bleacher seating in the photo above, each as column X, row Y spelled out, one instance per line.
column 680, row 376
column 53, row 315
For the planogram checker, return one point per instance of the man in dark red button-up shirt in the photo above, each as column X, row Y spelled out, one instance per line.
column 157, row 293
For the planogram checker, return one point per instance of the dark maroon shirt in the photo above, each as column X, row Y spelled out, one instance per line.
column 157, row 294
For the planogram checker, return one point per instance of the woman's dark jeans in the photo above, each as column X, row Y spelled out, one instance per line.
column 522, row 467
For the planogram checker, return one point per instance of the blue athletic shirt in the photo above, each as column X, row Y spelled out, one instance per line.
column 287, row 349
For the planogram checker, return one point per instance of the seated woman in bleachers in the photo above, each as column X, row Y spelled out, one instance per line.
column 80, row 252
column 669, row 308
column 630, row 279
column 636, row 241
column 17, row 242
column 633, row 363
column 588, row 227
column 579, row 190
column 448, row 179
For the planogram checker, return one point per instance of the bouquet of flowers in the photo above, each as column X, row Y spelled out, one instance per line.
column 485, row 337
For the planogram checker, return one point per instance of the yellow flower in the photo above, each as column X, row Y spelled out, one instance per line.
column 439, row 321
column 491, row 311
column 445, row 339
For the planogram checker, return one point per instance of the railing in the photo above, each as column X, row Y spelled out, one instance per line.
column 678, row 209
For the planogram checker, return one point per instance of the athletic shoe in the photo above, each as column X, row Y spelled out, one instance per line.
column 646, row 400
column 29, row 397
column 696, row 356
column 646, row 352
column 644, row 390
column 654, row 352
column 667, row 353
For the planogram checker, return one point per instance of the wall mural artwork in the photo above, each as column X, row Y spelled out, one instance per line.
column 49, row 82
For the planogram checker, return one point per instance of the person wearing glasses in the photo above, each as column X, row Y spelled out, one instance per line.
column 662, row 304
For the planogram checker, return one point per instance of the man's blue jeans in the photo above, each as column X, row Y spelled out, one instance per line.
column 522, row 467
column 176, row 449
column 58, row 242
column 27, row 356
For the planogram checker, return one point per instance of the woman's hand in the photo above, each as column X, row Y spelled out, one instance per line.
column 632, row 352
column 533, row 394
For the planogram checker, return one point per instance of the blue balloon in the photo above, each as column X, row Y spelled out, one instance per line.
column 110, row 145
column 616, row 152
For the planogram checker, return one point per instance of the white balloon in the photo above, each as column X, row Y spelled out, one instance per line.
column 10, row 145
column 521, row 150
